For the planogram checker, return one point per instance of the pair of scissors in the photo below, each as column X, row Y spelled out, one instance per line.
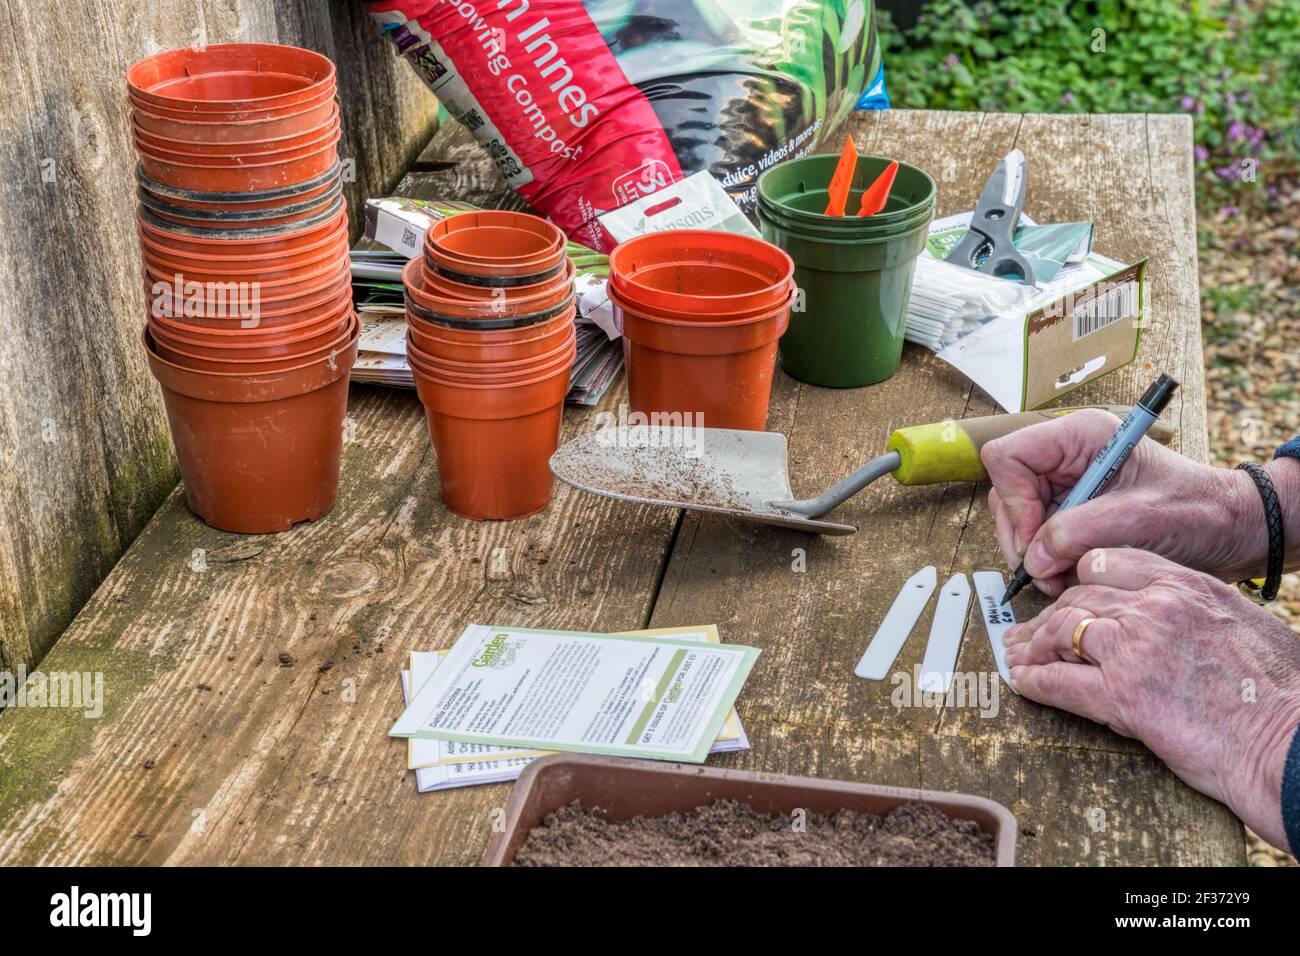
column 993, row 224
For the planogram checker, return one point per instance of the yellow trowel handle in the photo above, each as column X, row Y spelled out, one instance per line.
column 950, row 451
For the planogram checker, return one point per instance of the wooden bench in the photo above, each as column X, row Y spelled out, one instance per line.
column 251, row 682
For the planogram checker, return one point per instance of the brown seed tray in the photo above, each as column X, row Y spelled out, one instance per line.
column 630, row 788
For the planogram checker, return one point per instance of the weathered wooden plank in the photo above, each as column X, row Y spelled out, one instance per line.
column 85, row 458
column 814, row 623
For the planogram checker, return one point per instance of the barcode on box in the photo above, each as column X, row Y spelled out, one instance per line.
column 1109, row 305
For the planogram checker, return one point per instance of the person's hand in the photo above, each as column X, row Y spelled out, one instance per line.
column 1160, row 501
column 1207, row 679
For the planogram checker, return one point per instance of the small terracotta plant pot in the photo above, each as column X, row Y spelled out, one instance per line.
column 258, row 453
column 249, row 305
column 270, row 265
column 257, row 199
column 256, row 346
column 292, row 354
column 485, row 313
column 325, row 98
column 238, row 155
column 264, row 329
column 270, row 242
column 322, row 277
column 312, row 135
column 494, row 442
column 472, row 335
column 293, row 315
column 720, row 372
column 290, row 212
column 437, row 284
column 270, row 171
column 259, row 125
column 225, row 77
column 493, row 372
column 687, row 272
column 314, row 263
column 495, row 247
column 435, row 341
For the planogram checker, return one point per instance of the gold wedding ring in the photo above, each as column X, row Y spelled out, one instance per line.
column 1078, row 635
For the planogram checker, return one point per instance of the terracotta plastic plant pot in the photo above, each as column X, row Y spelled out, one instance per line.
column 494, row 443
column 212, row 115
column 485, row 313
column 257, row 453
column 484, row 372
column 700, row 271
column 319, row 317
column 436, row 284
column 257, row 199
column 305, row 137
column 235, row 270
column 290, row 356
column 563, row 364
column 259, row 125
column 242, row 303
column 473, row 335
column 435, row 341
column 238, row 155
column 230, row 76
column 495, row 247
column 256, row 345
column 320, row 277
column 300, row 210
column 271, row 170
column 298, row 314
column 720, row 372
column 271, row 242
column 263, row 263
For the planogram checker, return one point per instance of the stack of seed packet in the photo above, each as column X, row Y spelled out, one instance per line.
column 682, row 709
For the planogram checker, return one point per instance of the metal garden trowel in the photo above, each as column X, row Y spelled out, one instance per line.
column 744, row 473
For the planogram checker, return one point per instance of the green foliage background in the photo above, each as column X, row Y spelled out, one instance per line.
column 1233, row 66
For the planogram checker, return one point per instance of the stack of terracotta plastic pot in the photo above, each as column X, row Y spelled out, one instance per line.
column 244, row 238
column 701, row 312
column 491, row 340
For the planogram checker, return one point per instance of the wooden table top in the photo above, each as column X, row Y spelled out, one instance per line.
column 250, row 682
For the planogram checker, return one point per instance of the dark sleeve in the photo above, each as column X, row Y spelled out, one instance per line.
column 1291, row 794
column 1291, row 773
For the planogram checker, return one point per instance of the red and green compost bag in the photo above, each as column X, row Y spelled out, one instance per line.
column 587, row 105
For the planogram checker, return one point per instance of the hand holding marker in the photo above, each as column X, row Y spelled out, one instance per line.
column 1110, row 459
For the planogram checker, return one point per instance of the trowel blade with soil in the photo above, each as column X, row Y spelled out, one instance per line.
column 720, row 470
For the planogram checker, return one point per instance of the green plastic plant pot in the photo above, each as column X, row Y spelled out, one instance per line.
column 798, row 191
column 855, row 278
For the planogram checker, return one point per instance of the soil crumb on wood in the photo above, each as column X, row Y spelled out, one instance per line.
column 727, row 833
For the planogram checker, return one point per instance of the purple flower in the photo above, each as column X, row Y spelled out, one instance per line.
column 1068, row 98
column 1231, row 100
column 1201, row 154
column 1228, row 212
column 1236, row 131
column 950, row 60
column 1227, row 172
column 1187, row 103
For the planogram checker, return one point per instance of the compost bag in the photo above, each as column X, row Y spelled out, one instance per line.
column 587, row 105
